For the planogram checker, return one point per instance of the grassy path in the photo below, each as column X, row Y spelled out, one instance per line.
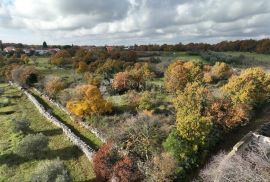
column 85, row 135
column 16, row 169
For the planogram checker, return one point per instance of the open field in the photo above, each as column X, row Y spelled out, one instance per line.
column 14, row 168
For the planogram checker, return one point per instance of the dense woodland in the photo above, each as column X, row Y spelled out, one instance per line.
column 161, row 119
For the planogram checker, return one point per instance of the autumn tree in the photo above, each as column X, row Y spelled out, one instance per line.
column 122, row 81
column 88, row 101
column 81, row 67
column 110, row 165
column 25, row 59
column 61, row 58
column 133, row 78
column 250, row 87
column 227, row 114
column 190, row 104
column 221, row 71
column 180, row 73
column 24, row 75
column 53, row 85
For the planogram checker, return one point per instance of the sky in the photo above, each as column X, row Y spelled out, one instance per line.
column 126, row 22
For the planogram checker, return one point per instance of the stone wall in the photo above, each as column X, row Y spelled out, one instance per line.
column 87, row 150
column 83, row 124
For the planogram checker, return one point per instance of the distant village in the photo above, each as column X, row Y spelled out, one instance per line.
column 44, row 50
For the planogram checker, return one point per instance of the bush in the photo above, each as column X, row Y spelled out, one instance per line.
column 50, row 171
column 147, row 101
column 184, row 151
column 53, row 85
column 251, row 87
column 221, row 71
column 24, row 75
column 61, row 58
column 88, row 101
column 180, row 73
column 109, row 165
column 32, row 146
column 141, row 136
column 190, row 104
column 20, row 126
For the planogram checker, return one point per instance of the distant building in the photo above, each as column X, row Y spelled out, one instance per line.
column 9, row 49
column 41, row 52
column 109, row 48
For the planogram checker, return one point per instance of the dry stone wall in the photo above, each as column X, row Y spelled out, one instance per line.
column 87, row 150
column 83, row 124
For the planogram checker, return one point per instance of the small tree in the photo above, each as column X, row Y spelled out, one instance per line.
column 191, row 122
column 89, row 101
column 51, row 171
column 53, row 85
column 180, row 73
column 24, row 75
column 221, row 71
column 45, row 45
column 250, row 87
column 32, row 146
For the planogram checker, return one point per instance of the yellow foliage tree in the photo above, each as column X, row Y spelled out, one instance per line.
column 221, row 71
column 180, row 73
column 25, row 58
column 251, row 87
column 89, row 101
column 191, row 123
column 82, row 67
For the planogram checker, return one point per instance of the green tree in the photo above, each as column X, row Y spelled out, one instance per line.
column 45, row 45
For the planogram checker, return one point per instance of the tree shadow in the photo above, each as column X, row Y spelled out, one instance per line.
column 12, row 159
column 66, row 153
column 51, row 132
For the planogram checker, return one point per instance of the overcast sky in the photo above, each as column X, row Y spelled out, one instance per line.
column 127, row 22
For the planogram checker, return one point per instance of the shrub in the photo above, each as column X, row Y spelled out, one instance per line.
column 147, row 101
column 141, row 136
column 53, row 85
column 25, row 58
column 227, row 114
column 32, row 145
column 24, row 75
column 180, row 73
column 221, row 71
column 93, row 79
column 89, row 101
column 191, row 122
column 184, row 151
column 126, row 170
column 61, row 58
column 81, row 67
column 162, row 167
column 20, row 126
column 122, row 81
column 51, row 171
column 251, row 87
column 132, row 78
column 103, row 162
column 110, row 166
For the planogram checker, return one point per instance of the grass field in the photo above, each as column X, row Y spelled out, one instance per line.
column 14, row 168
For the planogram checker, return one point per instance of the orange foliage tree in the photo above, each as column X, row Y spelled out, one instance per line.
column 180, row 73
column 53, row 85
column 60, row 58
column 89, row 101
